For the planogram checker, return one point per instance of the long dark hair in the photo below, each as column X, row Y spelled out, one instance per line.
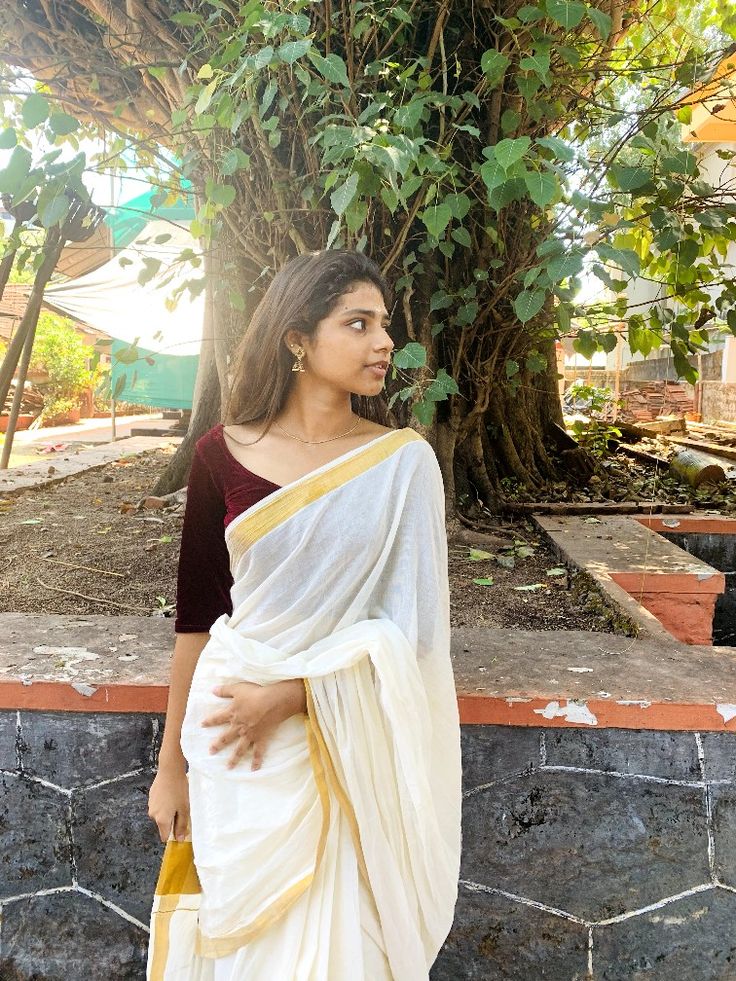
column 303, row 292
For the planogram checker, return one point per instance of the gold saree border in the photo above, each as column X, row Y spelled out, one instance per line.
column 335, row 785
column 276, row 509
column 177, row 888
column 222, row 946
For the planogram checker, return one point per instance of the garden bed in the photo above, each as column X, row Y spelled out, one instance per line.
column 131, row 555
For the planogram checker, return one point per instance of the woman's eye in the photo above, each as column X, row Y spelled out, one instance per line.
column 361, row 322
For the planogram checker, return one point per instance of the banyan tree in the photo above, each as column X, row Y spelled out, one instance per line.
column 478, row 151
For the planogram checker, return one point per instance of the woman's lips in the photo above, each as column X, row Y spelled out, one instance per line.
column 377, row 370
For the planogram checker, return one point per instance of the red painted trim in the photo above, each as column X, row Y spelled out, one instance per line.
column 609, row 714
column 56, row 696
column 49, row 696
column 703, row 526
column 668, row 582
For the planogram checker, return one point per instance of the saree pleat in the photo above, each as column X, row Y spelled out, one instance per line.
column 339, row 858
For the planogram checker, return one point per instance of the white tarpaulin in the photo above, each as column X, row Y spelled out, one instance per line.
column 112, row 300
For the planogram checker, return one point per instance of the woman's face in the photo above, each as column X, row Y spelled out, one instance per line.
column 351, row 346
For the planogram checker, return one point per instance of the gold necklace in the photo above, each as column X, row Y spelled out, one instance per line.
column 313, row 442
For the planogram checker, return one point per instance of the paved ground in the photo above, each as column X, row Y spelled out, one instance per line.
column 27, row 441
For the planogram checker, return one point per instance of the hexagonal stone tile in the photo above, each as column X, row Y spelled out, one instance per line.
column 69, row 937
column 724, row 832
column 693, row 938
column 590, row 844
column 672, row 755
column 494, row 937
column 35, row 850
column 116, row 845
column 490, row 752
column 719, row 749
column 73, row 749
column 8, row 738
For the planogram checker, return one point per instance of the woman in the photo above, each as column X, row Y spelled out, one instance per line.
column 312, row 736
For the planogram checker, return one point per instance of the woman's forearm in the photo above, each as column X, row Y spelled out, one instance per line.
column 187, row 649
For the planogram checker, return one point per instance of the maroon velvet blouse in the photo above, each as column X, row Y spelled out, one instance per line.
column 219, row 489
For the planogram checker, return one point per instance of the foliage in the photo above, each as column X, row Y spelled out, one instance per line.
column 594, row 431
column 59, row 350
column 489, row 158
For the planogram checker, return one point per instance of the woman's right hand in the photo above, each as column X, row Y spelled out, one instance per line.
column 168, row 802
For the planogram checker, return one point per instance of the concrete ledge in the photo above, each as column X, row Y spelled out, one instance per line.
column 61, row 466
column 662, row 588
column 100, row 664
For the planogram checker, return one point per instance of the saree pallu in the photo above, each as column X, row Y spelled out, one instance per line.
column 339, row 858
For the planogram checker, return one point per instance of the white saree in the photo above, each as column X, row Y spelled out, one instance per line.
column 339, row 858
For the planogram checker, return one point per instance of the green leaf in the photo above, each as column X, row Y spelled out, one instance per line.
column 512, row 369
column 627, row 259
column 412, row 355
column 478, row 555
column 53, row 208
column 205, row 72
column 15, row 171
column 560, row 149
column 542, row 188
column 8, row 139
column 462, row 237
column 235, row 159
column 602, row 21
column 186, row 19
column 459, row 204
column 484, row 581
column 564, row 266
column 424, row 411
column 538, row 63
column 567, row 13
column 585, row 344
column 436, row 218
column 222, row 194
column 557, row 571
column 407, row 117
column 493, row 174
column 494, row 64
column 35, row 110
column 341, row 198
column 508, row 152
column 332, row 68
column 535, row 363
column 62, row 124
column 205, row 97
column 629, row 178
column 291, row 51
column 528, row 304
column 441, row 386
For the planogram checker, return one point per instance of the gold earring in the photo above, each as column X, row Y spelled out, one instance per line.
column 298, row 365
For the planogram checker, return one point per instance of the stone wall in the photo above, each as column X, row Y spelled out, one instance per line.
column 718, row 401
column 588, row 854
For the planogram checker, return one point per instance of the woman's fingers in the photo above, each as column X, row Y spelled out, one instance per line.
column 241, row 749
column 259, row 749
column 181, row 824
column 225, row 739
column 164, row 828
column 219, row 719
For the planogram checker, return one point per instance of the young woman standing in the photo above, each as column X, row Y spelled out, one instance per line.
column 309, row 778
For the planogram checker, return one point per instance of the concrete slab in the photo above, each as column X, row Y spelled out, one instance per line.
column 61, row 466
column 521, row 678
column 656, row 583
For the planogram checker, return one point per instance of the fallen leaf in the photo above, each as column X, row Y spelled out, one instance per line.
column 487, row 581
column 557, row 571
column 530, row 588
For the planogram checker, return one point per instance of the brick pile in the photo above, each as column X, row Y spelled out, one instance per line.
column 653, row 399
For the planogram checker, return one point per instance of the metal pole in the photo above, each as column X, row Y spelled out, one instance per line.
column 112, row 419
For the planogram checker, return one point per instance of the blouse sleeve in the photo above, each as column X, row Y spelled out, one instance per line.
column 203, row 578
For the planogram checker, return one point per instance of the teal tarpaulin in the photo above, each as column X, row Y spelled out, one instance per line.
column 167, row 383
column 128, row 219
